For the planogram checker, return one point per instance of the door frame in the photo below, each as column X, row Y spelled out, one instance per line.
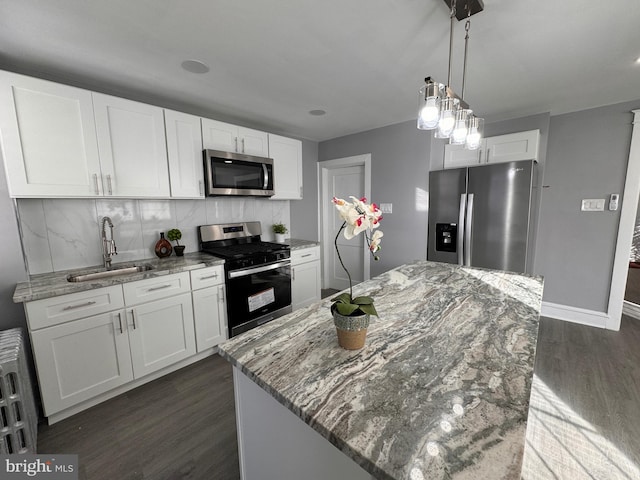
column 326, row 209
column 631, row 195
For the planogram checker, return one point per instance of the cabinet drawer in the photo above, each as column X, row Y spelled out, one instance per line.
column 53, row 311
column 155, row 288
column 305, row 255
column 207, row 277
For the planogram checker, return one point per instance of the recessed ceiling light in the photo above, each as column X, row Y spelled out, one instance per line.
column 638, row 60
column 317, row 113
column 195, row 66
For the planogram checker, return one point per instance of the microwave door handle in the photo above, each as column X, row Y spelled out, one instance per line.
column 265, row 175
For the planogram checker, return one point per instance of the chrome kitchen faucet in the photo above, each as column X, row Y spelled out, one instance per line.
column 108, row 245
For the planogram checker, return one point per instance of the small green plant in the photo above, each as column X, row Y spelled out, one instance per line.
column 280, row 228
column 174, row 235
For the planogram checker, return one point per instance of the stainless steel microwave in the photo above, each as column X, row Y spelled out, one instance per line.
column 228, row 173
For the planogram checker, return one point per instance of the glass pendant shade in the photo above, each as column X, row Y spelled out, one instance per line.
column 461, row 127
column 447, row 121
column 428, row 106
column 474, row 136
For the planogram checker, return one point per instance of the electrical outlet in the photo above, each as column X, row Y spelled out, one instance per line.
column 386, row 207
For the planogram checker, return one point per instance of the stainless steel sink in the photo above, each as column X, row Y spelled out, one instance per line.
column 112, row 272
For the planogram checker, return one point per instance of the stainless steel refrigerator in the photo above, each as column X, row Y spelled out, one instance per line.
column 481, row 216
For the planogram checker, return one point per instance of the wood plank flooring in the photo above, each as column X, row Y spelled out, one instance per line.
column 181, row 426
column 583, row 420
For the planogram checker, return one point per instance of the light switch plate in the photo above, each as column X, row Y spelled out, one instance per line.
column 593, row 205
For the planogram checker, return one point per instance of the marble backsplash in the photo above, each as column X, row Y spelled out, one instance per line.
column 60, row 234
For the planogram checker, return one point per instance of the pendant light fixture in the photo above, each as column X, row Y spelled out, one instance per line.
column 439, row 107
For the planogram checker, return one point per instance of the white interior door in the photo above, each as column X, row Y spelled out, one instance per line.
column 343, row 178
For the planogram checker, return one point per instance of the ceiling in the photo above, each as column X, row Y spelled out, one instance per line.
column 362, row 61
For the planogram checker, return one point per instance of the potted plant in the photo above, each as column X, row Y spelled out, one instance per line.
column 351, row 315
column 175, row 235
column 280, row 229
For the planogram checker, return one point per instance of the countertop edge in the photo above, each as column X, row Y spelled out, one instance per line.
column 368, row 465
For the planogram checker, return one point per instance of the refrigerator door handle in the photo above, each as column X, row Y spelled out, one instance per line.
column 468, row 231
column 461, row 229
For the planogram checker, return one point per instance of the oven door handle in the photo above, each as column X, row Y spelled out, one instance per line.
column 250, row 271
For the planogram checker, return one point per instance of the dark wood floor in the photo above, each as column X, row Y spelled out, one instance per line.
column 181, row 426
column 584, row 415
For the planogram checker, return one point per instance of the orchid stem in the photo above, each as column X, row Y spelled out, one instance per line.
column 335, row 242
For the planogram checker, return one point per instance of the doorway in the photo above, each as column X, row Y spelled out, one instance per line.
column 632, row 291
column 625, row 231
column 342, row 178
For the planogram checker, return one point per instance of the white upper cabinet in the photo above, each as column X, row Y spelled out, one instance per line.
column 513, row 147
column 48, row 137
column 131, row 142
column 232, row 138
column 457, row 156
column 184, row 150
column 499, row 149
column 287, row 171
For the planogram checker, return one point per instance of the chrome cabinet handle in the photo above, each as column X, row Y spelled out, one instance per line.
column 95, row 183
column 480, row 156
column 293, row 274
column 200, row 187
column 133, row 319
column 109, row 185
column 236, row 140
column 243, row 145
column 215, row 275
column 488, row 155
column 79, row 305
column 120, row 321
column 160, row 287
column 221, row 294
column 306, row 255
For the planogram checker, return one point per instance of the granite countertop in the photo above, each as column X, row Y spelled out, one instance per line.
column 441, row 388
column 296, row 244
column 48, row 285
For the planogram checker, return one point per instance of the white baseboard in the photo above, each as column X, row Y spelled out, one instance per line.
column 575, row 314
column 631, row 309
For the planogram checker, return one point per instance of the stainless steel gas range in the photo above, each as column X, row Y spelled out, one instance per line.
column 257, row 273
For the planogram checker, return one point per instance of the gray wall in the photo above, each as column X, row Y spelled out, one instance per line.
column 304, row 213
column 587, row 157
column 12, row 263
column 399, row 175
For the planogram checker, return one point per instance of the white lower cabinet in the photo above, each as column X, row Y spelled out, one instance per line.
column 161, row 333
column 209, row 307
column 81, row 359
column 305, row 277
column 82, row 352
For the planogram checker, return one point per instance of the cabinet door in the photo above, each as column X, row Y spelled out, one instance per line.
column 456, row 156
column 161, row 333
column 287, row 172
column 219, row 136
column 48, row 138
column 131, row 142
column 253, row 142
column 210, row 315
column 513, row 147
column 305, row 284
column 81, row 359
column 184, row 150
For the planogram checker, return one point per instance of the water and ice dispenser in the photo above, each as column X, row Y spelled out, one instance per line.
column 446, row 237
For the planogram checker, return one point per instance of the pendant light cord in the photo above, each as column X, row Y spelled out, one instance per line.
column 453, row 16
column 467, row 26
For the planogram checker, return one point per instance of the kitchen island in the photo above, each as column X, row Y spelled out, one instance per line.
column 440, row 390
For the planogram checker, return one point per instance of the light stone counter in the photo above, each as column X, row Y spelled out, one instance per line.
column 296, row 244
column 48, row 285
column 441, row 388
